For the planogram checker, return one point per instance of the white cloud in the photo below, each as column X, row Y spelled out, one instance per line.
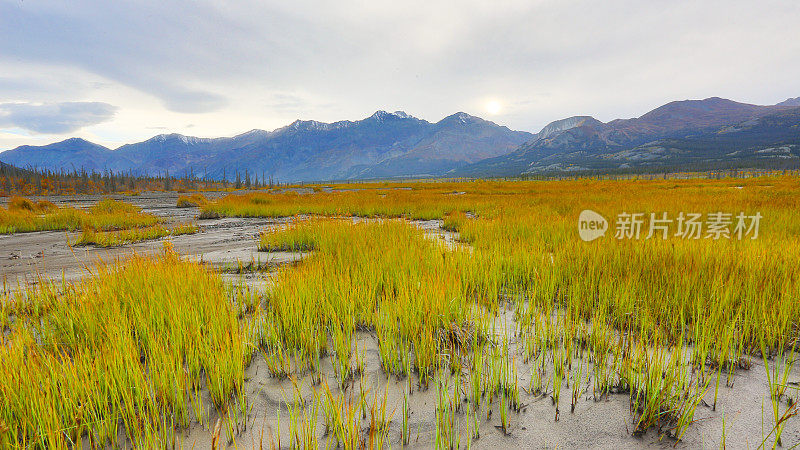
column 54, row 118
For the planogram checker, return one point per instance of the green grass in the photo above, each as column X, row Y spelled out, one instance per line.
column 125, row 350
column 385, row 276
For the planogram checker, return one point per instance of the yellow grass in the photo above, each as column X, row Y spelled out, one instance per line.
column 128, row 348
column 131, row 235
column 190, row 201
column 22, row 215
column 658, row 320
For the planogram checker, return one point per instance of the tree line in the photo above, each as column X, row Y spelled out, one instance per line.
column 32, row 181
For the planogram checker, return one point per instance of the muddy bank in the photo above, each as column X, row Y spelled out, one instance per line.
column 224, row 243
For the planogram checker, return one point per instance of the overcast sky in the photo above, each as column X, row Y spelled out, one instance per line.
column 116, row 72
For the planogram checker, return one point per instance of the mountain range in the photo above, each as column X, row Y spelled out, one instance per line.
column 692, row 134
column 382, row 145
column 702, row 134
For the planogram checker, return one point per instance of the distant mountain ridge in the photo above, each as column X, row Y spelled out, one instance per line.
column 790, row 102
column 69, row 154
column 698, row 134
column 382, row 145
column 713, row 132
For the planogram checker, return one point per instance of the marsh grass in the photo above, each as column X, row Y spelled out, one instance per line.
column 131, row 235
column 298, row 237
column 658, row 321
column 22, row 215
column 384, row 276
column 191, row 201
column 454, row 221
column 124, row 351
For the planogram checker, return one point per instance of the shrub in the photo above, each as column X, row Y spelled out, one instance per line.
column 45, row 206
column 20, row 204
column 191, row 201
